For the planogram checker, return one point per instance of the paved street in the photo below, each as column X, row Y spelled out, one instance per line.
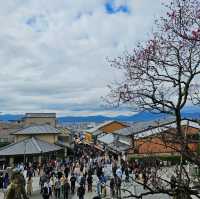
column 89, row 196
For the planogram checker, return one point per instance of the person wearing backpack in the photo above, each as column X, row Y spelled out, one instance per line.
column 45, row 191
column 81, row 191
column 42, row 180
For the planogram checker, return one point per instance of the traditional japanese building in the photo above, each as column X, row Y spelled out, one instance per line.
column 105, row 128
column 161, row 140
column 32, row 143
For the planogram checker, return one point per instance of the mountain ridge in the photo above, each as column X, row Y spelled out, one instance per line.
column 142, row 116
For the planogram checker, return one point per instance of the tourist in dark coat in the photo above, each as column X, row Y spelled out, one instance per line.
column 73, row 183
column 89, row 182
column 6, row 181
column 1, row 181
column 66, row 190
column 81, row 191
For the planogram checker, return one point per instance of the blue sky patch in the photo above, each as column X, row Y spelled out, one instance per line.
column 37, row 23
column 111, row 8
column 31, row 21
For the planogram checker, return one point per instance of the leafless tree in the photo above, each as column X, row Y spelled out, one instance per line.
column 162, row 75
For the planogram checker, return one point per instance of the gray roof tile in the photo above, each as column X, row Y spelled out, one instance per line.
column 28, row 146
column 138, row 127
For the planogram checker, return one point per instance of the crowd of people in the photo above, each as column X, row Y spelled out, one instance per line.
column 88, row 170
column 77, row 175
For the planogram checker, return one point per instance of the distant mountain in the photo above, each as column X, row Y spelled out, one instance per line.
column 10, row 117
column 77, row 119
column 194, row 115
column 142, row 116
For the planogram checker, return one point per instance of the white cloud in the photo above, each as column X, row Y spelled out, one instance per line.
column 53, row 53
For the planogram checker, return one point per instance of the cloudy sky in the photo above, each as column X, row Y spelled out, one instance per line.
column 53, row 52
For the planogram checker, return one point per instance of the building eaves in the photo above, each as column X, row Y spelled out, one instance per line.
column 28, row 147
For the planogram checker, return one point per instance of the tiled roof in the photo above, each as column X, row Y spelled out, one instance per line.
column 165, row 127
column 28, row 146
column 96, row 128
column 138, row 127
column 155, row 128
column 37, row 129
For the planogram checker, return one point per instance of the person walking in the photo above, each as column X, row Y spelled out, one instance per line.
column 6, row 181
column 16, row 189
column 62, row 180
column 89, row 182
column 98, row 186
column 45, row 191
column 66, row 189
column 73, row 183
column 112, row 187
column 126, row 171
column 29, row 186
column 67, row 170
column 83, row 180
column 57, row 188
column 103, row 181
column 118, row 186
column 1, row 181
column 42, row 180
column 52, row 182
column 81, row 191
